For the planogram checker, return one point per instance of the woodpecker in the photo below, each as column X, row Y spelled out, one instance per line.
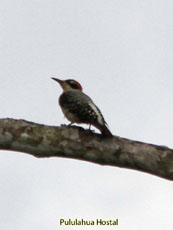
column 79, row 108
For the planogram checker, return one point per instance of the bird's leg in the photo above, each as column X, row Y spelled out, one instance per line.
column 90, row 128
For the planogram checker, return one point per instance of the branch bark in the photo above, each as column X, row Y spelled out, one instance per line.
column 77, row 143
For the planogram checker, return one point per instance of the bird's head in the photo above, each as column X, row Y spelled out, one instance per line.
column 68, row 84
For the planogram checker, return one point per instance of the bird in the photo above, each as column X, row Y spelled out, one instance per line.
column 79, row 107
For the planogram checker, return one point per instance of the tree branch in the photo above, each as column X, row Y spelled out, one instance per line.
column 77, row 143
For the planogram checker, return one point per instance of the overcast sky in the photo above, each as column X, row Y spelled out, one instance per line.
column 122, row 53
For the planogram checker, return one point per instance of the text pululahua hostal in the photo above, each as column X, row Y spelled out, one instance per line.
column 77, row 222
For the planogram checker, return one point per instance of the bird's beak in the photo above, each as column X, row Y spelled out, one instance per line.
column 58, row 80
column 62, row 83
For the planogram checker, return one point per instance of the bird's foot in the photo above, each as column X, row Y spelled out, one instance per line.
column 70, row 124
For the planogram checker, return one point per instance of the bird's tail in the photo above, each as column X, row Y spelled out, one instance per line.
column 105, row 131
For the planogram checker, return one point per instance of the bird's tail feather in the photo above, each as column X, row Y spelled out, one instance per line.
column 105, row 131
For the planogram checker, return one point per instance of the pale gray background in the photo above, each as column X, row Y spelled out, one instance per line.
column 121, row 52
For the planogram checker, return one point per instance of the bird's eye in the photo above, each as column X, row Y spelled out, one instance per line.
column 74, row 84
